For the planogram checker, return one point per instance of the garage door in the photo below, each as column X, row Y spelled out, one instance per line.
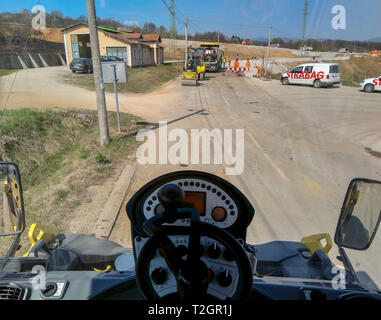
column 120, row 52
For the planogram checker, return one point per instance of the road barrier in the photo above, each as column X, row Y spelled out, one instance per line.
column 236, row 69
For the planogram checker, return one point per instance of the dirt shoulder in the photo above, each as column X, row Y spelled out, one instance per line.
column 67, row 177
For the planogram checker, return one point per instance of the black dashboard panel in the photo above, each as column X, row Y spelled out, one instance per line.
column 225, row 206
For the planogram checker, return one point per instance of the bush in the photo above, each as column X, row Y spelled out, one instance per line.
column 100, row 158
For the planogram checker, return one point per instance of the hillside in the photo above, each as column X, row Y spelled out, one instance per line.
column 49, row 34
column 232, row 50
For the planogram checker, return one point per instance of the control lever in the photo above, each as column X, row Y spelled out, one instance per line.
column 171, row 197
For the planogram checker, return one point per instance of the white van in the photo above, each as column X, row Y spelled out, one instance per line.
column 315, row 74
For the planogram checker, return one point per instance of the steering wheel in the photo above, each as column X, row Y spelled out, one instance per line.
column 192, row 275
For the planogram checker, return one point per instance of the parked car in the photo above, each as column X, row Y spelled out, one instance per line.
column 110, row 58
column 82, row 65
column 370, row 85
column 315, row 74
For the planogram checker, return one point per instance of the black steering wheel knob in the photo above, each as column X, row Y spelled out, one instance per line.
column 171, row 195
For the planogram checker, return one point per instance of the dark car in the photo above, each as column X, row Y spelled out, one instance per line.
column 82, row 65
column 110, row 58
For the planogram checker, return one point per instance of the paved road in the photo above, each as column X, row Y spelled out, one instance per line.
column 302, row 145
column 302, row 148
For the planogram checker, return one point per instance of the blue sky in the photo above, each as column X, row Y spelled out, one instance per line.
column 245, row 18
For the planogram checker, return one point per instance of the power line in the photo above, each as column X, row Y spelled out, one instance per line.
column 232, row 24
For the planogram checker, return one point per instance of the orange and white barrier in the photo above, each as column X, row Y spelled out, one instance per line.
column 235, row 69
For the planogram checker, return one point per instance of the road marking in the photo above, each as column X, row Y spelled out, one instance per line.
column 315, row 188
column 279, row 170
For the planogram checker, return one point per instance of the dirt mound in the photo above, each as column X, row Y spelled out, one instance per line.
column 49, row 34
column 233, row 50
column 242, row 51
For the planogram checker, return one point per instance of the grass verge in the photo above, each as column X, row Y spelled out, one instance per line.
column 140, row 80
column 5, row 72
column 64, row 169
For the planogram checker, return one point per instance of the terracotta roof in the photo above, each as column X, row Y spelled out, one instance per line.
column 151, row 37
column 135, row 36
column 118, row 37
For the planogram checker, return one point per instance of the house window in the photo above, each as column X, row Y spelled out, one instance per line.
column 120, row 52
column 74, row 46
column 135, row 53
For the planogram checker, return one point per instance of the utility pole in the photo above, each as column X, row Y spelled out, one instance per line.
column 304, row 25
column 186, row 38
column 172, row 29
column 268, row 50
column 98, row 75
column 218, row 40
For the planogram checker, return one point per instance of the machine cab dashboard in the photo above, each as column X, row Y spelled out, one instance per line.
column 219, row 203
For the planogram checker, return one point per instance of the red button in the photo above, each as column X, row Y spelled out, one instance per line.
column 219, row 214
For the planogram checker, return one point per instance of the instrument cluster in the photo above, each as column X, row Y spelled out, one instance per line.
column 215, row 205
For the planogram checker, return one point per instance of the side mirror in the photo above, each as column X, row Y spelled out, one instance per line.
column 12, row 215
column 360, row 215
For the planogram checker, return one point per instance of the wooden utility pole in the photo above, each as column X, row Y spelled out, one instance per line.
column 268, row 51
column 98, row 75
column 186, row 38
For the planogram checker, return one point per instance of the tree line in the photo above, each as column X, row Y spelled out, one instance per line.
column 20, row 24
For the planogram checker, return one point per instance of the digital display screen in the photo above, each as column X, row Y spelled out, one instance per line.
column 198, row 200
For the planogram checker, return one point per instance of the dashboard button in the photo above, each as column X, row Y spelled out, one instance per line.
column 213, row 251
column 224, row 279
column 159, row 276
column 219, row 214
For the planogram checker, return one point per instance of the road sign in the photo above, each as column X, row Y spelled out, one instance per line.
column 114, row 72
column 121, row 71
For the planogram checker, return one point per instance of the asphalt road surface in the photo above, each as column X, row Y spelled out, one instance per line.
column 302, row 145
column 302, row 148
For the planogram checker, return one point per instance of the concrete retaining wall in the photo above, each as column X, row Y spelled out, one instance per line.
column 30, row 60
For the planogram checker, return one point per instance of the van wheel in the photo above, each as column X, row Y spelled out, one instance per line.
column 285, row 81
column 369, row 88
column 317, row 84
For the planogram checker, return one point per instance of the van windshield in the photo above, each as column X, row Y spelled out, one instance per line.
column 334, row 68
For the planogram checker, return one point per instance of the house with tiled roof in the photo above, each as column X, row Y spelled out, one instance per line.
column 137, row 49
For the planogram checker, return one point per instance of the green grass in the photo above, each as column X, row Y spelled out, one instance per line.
column 5, row 72
column 83, row 153
column 140, row 80
column 61, row 194
column 59, row 157
column 348, row 82
column 100, row 158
